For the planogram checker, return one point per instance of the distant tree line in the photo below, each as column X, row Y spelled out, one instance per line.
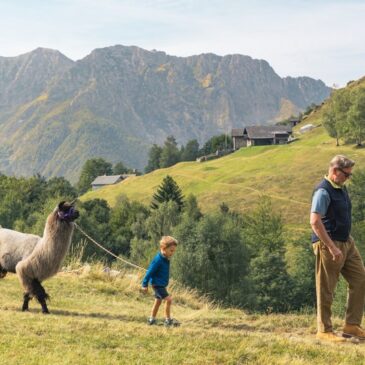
column 344, row 115
column 158, row 157
column 95, row 167
column 169, row 154
column 22, row 199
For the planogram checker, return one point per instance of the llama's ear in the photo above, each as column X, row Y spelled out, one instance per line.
column 60, row 205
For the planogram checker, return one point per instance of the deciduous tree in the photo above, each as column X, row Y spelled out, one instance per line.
column 154, row 156
column 170, row 154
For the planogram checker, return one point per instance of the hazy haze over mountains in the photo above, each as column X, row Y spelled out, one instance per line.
column 116, row 102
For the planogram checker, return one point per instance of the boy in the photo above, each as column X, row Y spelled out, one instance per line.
column 158, row 275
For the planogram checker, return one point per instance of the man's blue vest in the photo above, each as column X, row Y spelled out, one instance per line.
column 337, row 220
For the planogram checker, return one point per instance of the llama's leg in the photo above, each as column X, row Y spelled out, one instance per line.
column 26, row 283
column 41, row 295
column 43, row 303
column 27, row 298
column 3, row 272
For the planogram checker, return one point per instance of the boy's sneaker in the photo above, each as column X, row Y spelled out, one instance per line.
column 171, row 322
column 151, row 321
column 329, row 336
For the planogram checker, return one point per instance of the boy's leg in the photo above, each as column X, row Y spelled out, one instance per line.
column 169, row 322
column 156, row 306
column 168, row 307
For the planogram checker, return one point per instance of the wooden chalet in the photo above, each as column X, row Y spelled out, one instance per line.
column 104, row 180
column 260, row 135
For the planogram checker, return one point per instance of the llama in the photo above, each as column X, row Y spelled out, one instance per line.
column 35, row 259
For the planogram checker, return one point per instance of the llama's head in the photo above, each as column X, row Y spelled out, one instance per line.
column 67, row 212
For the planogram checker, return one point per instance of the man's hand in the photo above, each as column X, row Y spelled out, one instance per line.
column 336, row 253
column 144, row 289
column 320, row 231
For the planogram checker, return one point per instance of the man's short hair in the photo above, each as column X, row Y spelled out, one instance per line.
column 168, row 241
column 341, row 162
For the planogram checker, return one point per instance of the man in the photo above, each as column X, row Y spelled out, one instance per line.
column 336, row 252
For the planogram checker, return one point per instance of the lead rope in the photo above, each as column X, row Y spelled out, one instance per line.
column 106, row 250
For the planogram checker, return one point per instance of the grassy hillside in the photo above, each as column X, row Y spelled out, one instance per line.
column 101, row 320
column 286, row 173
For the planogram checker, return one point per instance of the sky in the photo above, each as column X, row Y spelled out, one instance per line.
column 323, row 39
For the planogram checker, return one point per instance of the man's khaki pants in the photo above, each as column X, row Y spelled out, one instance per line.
column 327, row 275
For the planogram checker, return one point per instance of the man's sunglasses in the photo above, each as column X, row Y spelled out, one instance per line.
column 346, row 174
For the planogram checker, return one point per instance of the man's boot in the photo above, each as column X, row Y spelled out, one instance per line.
column 353, row 330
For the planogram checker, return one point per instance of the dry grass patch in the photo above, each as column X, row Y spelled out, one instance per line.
column 100, row 318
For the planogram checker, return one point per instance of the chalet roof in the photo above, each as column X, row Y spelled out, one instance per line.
column 261, row 131
column 238, row 132
column 107, row 179
column 266, row 131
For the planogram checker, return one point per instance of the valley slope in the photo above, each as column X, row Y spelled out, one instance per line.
column 285, row 173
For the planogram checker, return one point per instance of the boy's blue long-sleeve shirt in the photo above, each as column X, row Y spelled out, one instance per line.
column 158, row 271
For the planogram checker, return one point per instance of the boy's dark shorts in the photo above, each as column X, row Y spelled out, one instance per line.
column 160, row 292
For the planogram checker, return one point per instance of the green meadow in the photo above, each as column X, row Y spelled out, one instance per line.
column 99, row 319
column 285, row 173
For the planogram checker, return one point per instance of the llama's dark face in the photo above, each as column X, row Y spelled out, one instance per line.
column 67, row 212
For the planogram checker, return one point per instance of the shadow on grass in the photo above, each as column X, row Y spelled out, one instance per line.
column 108, row 316
column 239, row 327
column 58, row 312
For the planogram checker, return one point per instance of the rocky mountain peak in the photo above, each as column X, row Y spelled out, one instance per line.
column 117, row 101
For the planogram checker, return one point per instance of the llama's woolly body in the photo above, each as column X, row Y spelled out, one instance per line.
column 14, row 247
column 35, row 258
column 48, row 253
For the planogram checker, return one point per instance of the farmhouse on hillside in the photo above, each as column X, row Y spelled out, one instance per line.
column 294, row 121
column 260, row 135
column 104, row 180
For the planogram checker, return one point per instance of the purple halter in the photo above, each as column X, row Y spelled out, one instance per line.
column 68, row 215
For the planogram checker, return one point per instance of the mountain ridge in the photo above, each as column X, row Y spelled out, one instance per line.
column 117, row 101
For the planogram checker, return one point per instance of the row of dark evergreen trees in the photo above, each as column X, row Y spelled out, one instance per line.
column 158, row 157
column 169, row 154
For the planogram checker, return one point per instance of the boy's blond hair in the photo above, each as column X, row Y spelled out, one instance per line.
column 168, row 241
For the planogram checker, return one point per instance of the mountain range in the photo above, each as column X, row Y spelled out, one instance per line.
column 55, row 113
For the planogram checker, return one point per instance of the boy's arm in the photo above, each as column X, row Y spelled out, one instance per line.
column 150, row 272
